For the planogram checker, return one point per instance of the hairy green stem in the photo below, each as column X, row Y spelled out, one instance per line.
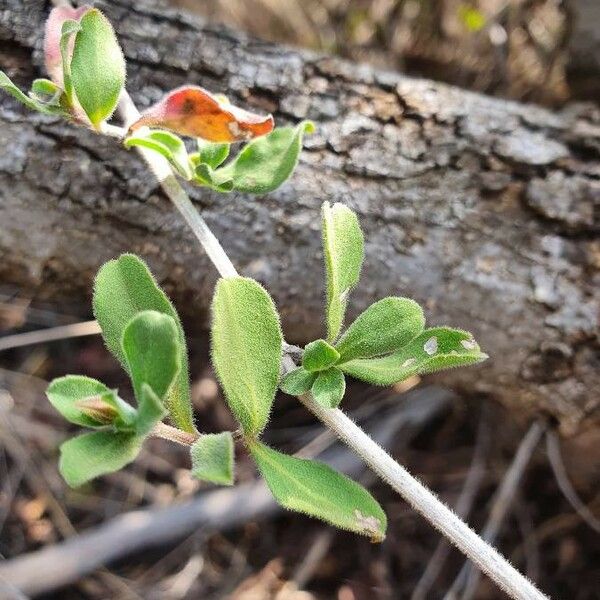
column 167, row 432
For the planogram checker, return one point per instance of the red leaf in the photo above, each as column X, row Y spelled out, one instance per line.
column 54, row 24
column 194, row 112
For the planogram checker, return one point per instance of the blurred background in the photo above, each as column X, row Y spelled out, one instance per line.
column 544, row 51
column 541, row 51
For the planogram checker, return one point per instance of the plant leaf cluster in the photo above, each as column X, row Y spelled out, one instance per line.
column 86, row 66
column 142, row 329
column 386, row 344
column 247, row 356
column 87, row 76
column 260, row 167
column 121, row 428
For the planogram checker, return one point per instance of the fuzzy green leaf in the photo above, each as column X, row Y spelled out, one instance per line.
column 168, row 145
column 32, row 103
column 65, row 392
column 297, row 382
column 46, row 91
column 343, row 252
column 206, row 175
column 93, row 454
column 329, row 388
column 313, row 488
column 385, row 326
column 69, row 28
column 126, row 415
column 246, row 349
column 150, row 411
column 212, row 458
column 433, row 350
column 123, row 288
column 319, row 355
column 152, row 350
column 212, row 153
column 266, row 162
column 97, row 67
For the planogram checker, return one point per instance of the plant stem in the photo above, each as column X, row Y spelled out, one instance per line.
column 175, row 192
column 487, row 558
column 468, row 577
column 166, row 432
column 422, row 500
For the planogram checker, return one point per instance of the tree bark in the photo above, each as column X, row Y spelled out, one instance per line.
column 485, row 211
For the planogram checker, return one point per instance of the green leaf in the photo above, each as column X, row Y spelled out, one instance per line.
column 168, row 145
column 8, row 86
column 123, row 288
column 66, row 392
column 93, row 454
column 69, row 28
column 211, row 153
column 313, row 488
column 44, row 87
column 150, row 411
column 266, row 162
column 319, row 355
column 212, row 458
column 297, row 382
column 97, row 67
column 88, row 402
column 343, row 252
column 433, row 350
column 246, row 349
column 385, row 326
column 205, row 175
column 46, row 91
column 329, row 388
column 153, row 352
column 126, row 414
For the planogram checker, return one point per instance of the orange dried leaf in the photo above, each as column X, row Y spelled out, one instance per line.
column 194, row 112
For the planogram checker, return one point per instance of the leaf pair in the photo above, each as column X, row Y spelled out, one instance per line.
column 122, row 289
column 152, row 353
column 318, row 375
column 85, row 64
column 260, row 167
column 247, row 354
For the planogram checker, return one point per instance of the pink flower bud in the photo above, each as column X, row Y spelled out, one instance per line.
column 194, row 112
column 54, row 25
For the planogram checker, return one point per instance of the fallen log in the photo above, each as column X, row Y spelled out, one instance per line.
column 485, row 211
